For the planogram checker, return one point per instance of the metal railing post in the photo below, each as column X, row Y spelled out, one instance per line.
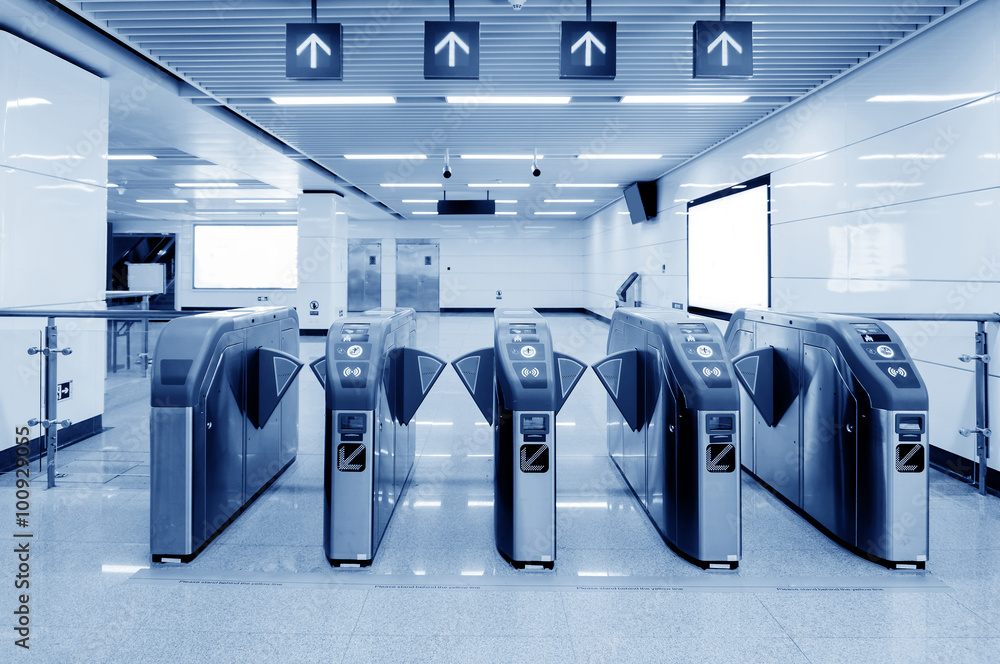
column 50, row 354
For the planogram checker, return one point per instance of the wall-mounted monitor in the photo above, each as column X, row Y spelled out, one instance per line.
column 729, row 249
column 640, row 198
column 246, row 256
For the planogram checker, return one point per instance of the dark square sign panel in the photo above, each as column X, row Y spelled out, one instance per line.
column 587, row 49
column 451, row 49
column 723, row 49
column 313, row 50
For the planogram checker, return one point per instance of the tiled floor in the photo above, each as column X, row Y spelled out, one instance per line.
column 439, row 592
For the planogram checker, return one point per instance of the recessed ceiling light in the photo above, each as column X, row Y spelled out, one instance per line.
column 500, row 184
column 410, row 184
column 783, row 155
column 569, row 200
column 623, row 212
column 420, row 200
column 111, row 185
column 425, row 212
column 527, row 157
column 914, row 155
column 620, row 156
column 594, row 185
column 505, row 212
column 506, row 201
column 135, row 157
column 206, row 185
column 490, row 99
column 684, row 99
column 562, row 212
column 288, row 211
column 332, row 101
column 218, row 212
column 911, row 98
column 160, row 200
column 254, row 201
column 385, row 156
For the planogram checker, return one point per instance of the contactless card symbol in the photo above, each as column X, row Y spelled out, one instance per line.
column 885, row 351
column 897, row 373
column 355, row 351
column 355, row 371
column 528, row 351
column 530, row 373
column 705, row 351
column 713, row 372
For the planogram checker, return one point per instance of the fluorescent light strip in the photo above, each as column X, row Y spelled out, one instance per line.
column 206, row 185
column 161, row 200
column 500, row 184
column 527, row 157
column 385, row 156
column 410, row 184
column 133, row 157
column 332, row 101
column 508, row 200
column 254, row 201
column 591, row 185
column 425, row 212
column 901, row 156
column 779, row 155
column 562, row 212
column 620, row 156
column 569, row 200
column 427, row 503
column 683, row 99
column 507, row 212
column 467, row 99
column 289, row 212
column 912, row 98
column 583, row 504
column 888, row 185
column 420, row 200
column 219, row 212
column 480, row 503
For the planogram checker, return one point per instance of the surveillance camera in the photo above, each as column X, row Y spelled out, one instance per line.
column 516, row 4
column 536, row 171
column 447, row 172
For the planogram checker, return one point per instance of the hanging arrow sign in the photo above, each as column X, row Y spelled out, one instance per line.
column 313, row 50
column 451, row 49
column 587, row 49
column 723, row 49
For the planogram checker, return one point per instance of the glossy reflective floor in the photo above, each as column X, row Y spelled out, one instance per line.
column 438, row 590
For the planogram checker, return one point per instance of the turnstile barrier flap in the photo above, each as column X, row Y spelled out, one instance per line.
column 621, row 374
column 768, row 380
column 410, row 373
column 318, row 367
column 476, row 369
column 270, row 377
column 569, row 371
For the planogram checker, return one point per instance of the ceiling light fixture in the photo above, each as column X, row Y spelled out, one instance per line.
column 561, row 212
column 535, row 171
column 410, row 184
column 620, row 156
column 420, row 200
column 500, row 184
column 161, row 200
column 569, row 200
column 332, row 101
column 604, row 185
column 912, row 98
column 254, row 201
column 473, row 99
column 131, row 157
column 501, row 156
column 447, row 166
column 684, row 99
column 206, row 185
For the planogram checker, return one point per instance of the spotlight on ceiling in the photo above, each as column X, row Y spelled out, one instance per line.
column 535, row 170
column 447, row 166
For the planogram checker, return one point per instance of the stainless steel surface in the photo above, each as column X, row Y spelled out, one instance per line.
column 219, row 489
column 352, row 512
column 418, row 276
column 845, row 475
column 634, row 442
column 719, row 533
column 830, row 450
column 170, row 494
column 364, row 275
column 288, row 409
column 534, row 532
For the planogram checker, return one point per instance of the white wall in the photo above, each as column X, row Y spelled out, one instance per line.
column 853, row 230
column 53, row 234
column 533, row 263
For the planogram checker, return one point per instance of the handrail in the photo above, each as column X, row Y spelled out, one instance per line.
column 111, row 314
column 982, row 360
column 629, row 280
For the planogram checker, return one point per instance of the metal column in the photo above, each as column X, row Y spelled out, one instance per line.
column 51, row 354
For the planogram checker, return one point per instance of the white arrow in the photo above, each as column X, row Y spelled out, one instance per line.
column 450, row 40
column 726, row 42
column 588, row 38
column 311, row 42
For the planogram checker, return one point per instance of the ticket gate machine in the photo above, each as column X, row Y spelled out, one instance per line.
column 837, row 427
column 223, row 424
column 519, row 385
column 374, row 381
column 673, row 429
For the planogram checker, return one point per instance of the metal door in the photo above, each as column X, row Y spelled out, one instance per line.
column 364, row 275
column 417, row 276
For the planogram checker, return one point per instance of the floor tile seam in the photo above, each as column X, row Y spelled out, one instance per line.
column 995, row 626
column 777, row 622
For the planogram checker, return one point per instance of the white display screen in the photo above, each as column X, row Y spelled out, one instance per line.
column 231, row 256
column 729, row 252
